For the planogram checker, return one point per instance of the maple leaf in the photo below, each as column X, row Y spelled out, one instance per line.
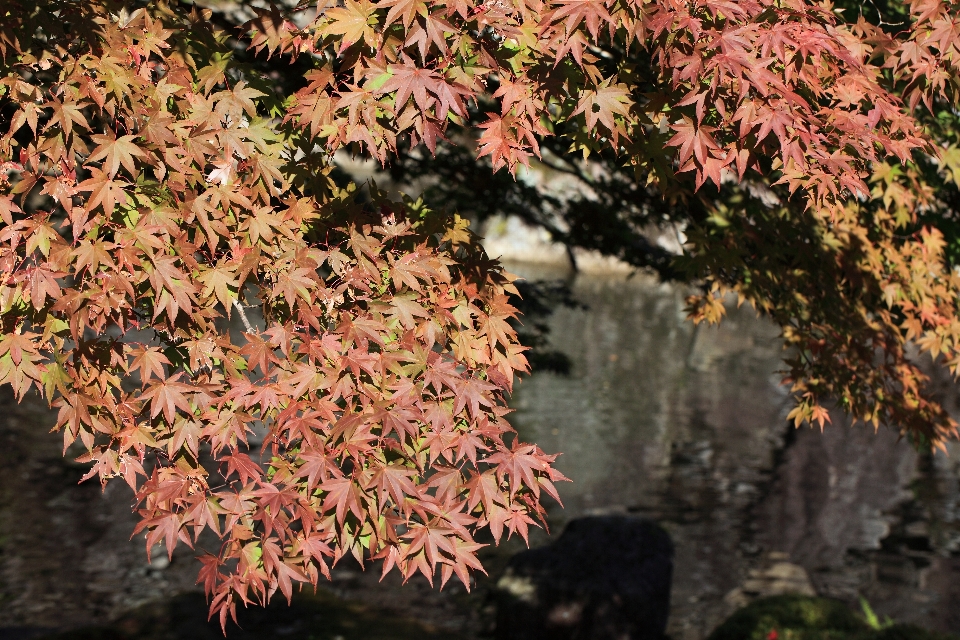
column 408, row 79
column 603, row 104
column 91, row 255
column 430, row 542
column 464, row 560
column 316, row 468
column 105, row 191
column 432, row 31
column 260, row 353
column 66, row 114
column 394, row 481
column 295, row 285
column 693, row 140
column 205, row 512
column 7, row 209
column 116, row 152
column 222, row 172
column 149, row 361
column 485, row 490
column 166, row 396
column 451, row 97
column 243, row 466
column 472, row 393
column 353, row 22
column 166, row 527
column 519, row 521
column 239, row 99
column 405, row 9
column 573, row 12
column 406, row 309
column 499, row 141
column 343, row 495
column 521, row 465
column 186, row 432
column 219, row 282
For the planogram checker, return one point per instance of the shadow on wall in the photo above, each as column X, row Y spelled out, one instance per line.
column 605, row 578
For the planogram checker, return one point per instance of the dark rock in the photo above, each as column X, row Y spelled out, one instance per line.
column 604, row 578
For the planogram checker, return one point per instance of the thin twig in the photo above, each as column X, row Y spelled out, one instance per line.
column 243, row 316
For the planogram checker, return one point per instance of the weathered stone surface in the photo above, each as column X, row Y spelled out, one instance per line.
column 774, row 578
column 605, row 578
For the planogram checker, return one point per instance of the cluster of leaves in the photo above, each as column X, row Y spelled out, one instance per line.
column 828, row 204
column 853, row 290
column 759, row 80
column 148, row 194
column 160, row 178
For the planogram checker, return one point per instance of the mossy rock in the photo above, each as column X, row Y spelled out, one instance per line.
column 806, row 618
column 793, row 618
column 910, row 632
column 320, row 616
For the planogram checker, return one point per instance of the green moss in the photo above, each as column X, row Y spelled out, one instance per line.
column 320, row 616
column 793, row 618
column 806, row 618
column 909, row 632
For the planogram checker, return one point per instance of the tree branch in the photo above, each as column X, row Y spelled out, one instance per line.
column 243, row 317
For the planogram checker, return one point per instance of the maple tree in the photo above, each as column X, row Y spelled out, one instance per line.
column 832, row 278
column 163, row 176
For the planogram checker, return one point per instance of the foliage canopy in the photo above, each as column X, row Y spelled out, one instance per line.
column 162, row 173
